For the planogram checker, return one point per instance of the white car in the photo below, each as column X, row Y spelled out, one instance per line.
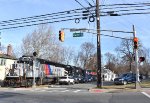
column 66, row 80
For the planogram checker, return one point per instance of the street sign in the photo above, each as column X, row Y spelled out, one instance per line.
column 77, row 34
column 80, row 29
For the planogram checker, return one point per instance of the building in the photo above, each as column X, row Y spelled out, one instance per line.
column 108, row 75
column 6, row 61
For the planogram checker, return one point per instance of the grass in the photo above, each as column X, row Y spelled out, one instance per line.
column 128, row 86
column 143, row 84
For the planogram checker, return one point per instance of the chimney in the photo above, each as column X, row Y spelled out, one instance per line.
column 9, row 50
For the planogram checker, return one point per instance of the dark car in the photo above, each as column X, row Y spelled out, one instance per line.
column 76, row 79
column 83, row 79
column 125, row 78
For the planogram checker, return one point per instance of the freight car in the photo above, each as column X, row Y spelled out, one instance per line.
column 29, row 70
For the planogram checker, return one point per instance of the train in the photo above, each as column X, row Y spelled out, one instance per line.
column 29, row 70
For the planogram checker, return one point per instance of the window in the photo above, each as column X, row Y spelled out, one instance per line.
column 2, row 61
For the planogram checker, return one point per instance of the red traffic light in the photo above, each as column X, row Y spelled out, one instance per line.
column 135, row 40
column 141, row 59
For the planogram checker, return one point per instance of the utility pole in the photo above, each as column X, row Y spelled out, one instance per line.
column 137, row 85
column 99, row 77
column 34, row 84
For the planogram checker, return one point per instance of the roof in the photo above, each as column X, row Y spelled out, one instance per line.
column 5, row 56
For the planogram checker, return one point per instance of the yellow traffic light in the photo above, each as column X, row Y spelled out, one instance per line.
column 61, row 35
column 135, row 40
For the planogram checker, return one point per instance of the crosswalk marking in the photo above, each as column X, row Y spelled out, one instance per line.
column 76, row 91
column 146, row 94
column 48, row 90
column 65, row 91
column 42, row 90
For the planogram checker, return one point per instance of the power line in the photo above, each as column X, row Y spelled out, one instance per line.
column 38, row 23
column 57, row 14
column 70, row 15
column 88, row 3
column 112, row 36
column 79, row 3
column 25, row 22
column 93, row 2
column 42, row 16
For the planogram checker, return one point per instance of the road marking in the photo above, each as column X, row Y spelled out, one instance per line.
column 146, row 94
column 76, row 91
column 65, row 91
column 42, row 90
column 49, row 91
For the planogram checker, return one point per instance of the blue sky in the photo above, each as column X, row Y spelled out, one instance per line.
column 12, row 9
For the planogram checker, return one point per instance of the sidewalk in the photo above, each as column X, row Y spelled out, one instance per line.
column 23, row 88
column 96, row 90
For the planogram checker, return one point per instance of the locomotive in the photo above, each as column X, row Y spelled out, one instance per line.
column 29, row 70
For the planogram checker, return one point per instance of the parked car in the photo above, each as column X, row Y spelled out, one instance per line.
column 66, row 80
column 76, row 79
column 125, row 78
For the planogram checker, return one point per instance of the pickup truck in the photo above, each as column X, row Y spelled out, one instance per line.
column 66, row 80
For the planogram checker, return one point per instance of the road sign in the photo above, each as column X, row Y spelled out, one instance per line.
column 77, row 34
column 80, row 29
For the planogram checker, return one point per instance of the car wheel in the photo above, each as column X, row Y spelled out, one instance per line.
column 69, row 83
column 72, row 83
column 124, row 82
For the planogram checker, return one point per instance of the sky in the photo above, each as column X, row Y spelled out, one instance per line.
column 13, row 9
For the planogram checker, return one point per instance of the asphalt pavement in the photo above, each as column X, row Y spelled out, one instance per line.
column 78, row 93
column 60, row 97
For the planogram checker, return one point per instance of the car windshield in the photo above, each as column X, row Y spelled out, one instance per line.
column 127, row 75
column 123, row 75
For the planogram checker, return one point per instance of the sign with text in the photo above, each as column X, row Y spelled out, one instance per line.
column 77, row 34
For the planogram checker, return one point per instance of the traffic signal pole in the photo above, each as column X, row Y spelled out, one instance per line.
column 99, row 77
column 137, row 85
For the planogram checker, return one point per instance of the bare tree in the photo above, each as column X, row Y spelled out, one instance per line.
column 76, row 59
column 125, row 50
column 111, row 61
column 92, row 63
column 43, row 42
column 67, row 55
column 87, row 50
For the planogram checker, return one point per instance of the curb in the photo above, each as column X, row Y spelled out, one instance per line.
column 93, row 90
column 97, row 90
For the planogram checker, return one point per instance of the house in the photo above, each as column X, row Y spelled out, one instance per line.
column 108, row 75
column 6, row 61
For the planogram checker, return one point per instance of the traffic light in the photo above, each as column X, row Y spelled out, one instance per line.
column 135, row 40
column 34, row 53
column 61, row 35
column 141, row 59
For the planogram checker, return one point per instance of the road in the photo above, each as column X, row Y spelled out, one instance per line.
column 59, row 95
column 78, row 93
column 84, row 85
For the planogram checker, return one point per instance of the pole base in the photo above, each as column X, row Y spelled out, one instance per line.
column 137, row 86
